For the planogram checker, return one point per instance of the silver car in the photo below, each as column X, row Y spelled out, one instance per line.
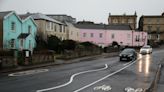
column 146, row 49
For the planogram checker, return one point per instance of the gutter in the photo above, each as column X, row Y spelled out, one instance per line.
column 154, row 84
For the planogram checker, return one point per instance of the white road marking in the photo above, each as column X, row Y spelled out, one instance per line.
column 127, row 63
column 29, row 72
column 71, row 79
column 103, row 88
column 103, row 78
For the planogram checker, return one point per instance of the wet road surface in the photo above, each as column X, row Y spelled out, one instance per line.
column 88, row 76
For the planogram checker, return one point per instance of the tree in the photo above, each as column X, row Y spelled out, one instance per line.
column 54, row 43
column 69, row 44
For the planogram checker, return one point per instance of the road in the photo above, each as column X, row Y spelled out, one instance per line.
column 96, row 75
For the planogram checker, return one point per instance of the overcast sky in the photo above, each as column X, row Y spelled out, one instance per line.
column 89, row 10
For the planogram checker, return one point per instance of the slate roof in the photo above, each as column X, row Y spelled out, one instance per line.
column 40, row 16
column 2, row 14
column 23, row 35
column 24, row 16
column 103, row 26
column 37, row 16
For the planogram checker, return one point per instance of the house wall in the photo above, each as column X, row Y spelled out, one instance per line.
column 1, row 33
column 31, row 38
column 74, row 33
column 8, row 34
column 122, row 37
column 96, row 37
column 154, row 26
column 47, row 28
column 41, row 29
column 123, row 19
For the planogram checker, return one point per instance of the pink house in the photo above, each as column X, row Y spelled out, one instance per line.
column 105, row 35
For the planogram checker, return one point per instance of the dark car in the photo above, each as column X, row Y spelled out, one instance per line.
column 128, row 54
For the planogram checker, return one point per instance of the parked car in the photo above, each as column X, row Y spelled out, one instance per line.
column 128, row 54
column 146, row 49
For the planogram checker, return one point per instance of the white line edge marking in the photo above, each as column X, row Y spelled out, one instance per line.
column 104, row 77
column 71, row 79
column 28, row 72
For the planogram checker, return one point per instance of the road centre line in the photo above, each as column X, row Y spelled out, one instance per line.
column 71, row 79
column 104, row 77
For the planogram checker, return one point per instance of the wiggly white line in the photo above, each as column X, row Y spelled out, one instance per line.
column 71, row 79
column 103, row 78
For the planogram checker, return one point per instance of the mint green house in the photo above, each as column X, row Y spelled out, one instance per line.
column 17, row 33
column 28, row 34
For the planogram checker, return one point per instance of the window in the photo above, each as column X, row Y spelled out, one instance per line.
column 84, row 34
column 64, row 29
column 21, row 42
column 112, row 36
column 55, row 29
column 30, row 45
column 92, row 35
column 29, row 29
column 48, row 25
column 158, row 37
column 149, row 28
column 158, row 20
column 60, row 28
column 128, row 36
column 137, row 38
column 130, row 21
column 100, row 35
column 149, row 20
column 12, row 43
column 13, row 26
column 158, row 29
column 52, row 27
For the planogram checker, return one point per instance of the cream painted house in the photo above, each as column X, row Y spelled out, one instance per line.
column 73, row 32
column 48, row 26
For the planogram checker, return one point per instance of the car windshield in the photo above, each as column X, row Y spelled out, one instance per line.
column 127, row 51
column 147, row 47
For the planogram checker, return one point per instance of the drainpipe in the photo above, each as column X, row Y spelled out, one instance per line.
column 132, row 38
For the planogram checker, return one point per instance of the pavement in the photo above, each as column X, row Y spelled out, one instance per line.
column 59, row 62
column 161, row 79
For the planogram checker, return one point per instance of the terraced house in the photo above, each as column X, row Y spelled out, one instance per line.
column 123, row 19
column 71, row 31
column 105, row 35
column 48, row 26
column 16, row 33
column 154, row 25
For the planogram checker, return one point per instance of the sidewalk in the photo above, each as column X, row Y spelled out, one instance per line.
column 161, row 81
column 60, row 62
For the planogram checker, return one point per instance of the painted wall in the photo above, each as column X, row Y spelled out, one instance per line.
column 96, row 39
column 29, row 42
column 73, row 32
column 9, row 34
column 122, row 37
